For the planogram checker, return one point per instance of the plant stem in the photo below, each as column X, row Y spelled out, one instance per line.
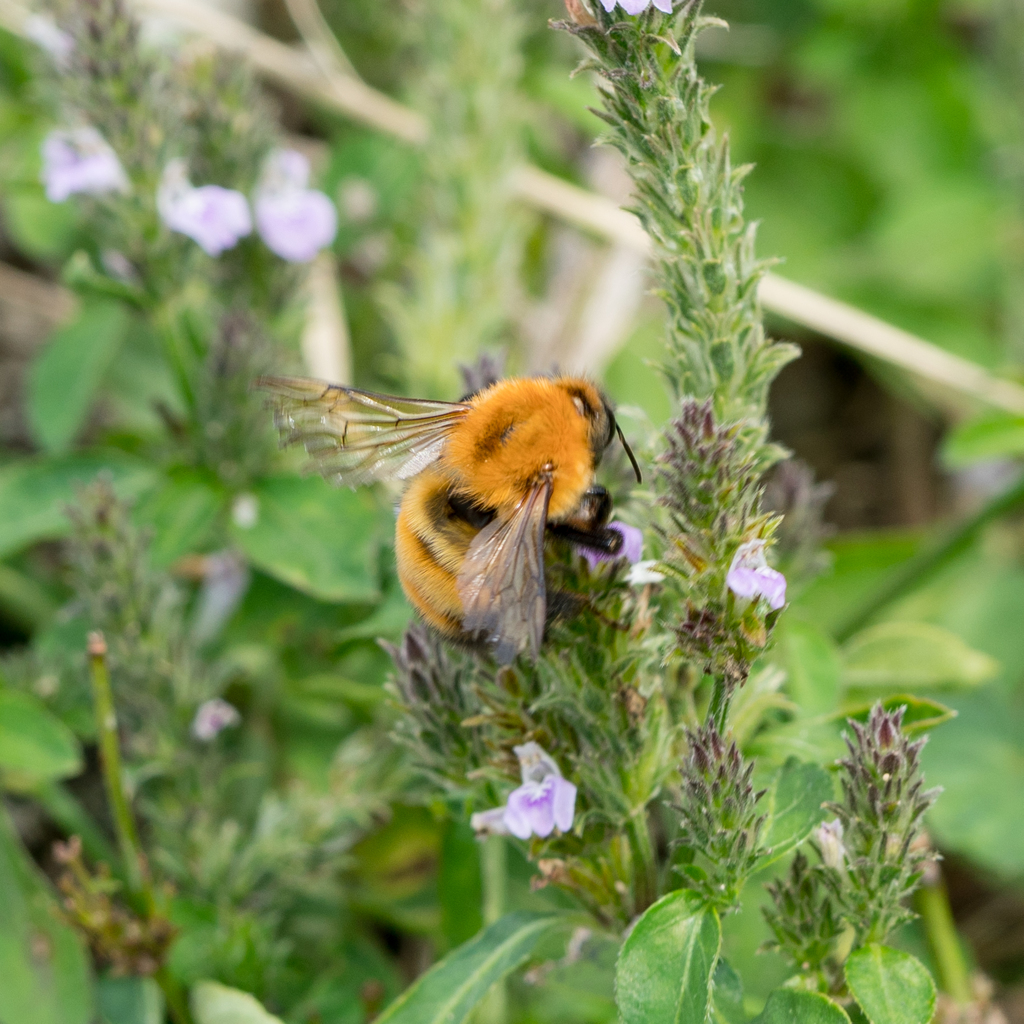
column 124, row 820
column 645, row 868
column 110, row 755
column 933, row 905
column 934, row 557
column 718, row 709
column 493, row 1008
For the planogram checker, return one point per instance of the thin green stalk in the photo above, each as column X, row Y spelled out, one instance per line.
column 110, row 755
column 718, row 709
column 493, row 1008
column 914, row 571
column 494, row 871
column 933, row 905
column 645, row 866
column 124, row 821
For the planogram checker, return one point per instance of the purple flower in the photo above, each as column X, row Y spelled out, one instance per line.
column 214, row 217
column 637, row 6
column 749, row 575
column 294, row 221
column 80, row 160
column 212, row 717
column 543, row 802
column 632, row 546
column 225, row 581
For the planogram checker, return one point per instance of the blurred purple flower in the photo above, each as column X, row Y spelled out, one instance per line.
column 42, row 30
column 294, row 221
column 632, row 546
column 543, row 802
column 212, row 216
column 212, row 717
column 749, row 575
column 80, row 160
column 637, row 6
column 225, row 581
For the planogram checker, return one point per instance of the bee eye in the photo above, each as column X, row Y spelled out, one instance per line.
column 580, row 407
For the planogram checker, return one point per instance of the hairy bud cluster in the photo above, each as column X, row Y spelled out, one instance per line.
column 882, row 812
column 720, row 824
column 871, row 856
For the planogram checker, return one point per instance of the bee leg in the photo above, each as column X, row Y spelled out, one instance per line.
column 595, row 509
column 603, row 539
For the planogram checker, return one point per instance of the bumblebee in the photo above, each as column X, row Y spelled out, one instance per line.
column 491, row 475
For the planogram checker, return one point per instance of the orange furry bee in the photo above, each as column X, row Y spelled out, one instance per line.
column 490, row 475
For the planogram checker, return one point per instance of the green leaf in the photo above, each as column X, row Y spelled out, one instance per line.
column 727, row 987
column 44, row 968
column 789, row 1006
column 319, row 539
column 793, row 804
column 130, row 1001
column 921, row 715
column 979, row 760
column 67, row 373
column 891, row 986
column 912, row 655
column 35, row 746
column 44, row 230
column 181, row 514
column 447, row 993
column 665, row 967
column 34, row 493
column 993, row 435
column 812, row 666
column 213, row 1003
column 459, row 884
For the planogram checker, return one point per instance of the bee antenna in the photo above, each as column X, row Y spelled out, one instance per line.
column 629, row 452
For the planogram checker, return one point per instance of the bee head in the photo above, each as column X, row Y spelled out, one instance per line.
column 595, row 407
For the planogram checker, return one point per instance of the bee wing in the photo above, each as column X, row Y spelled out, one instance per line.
column 501, row 584
column 356, row 437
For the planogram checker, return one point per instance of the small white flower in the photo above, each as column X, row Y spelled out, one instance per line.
column 213, row 717
column 245, row 511
column 830, row 840
column 642, row 573
column 489, row 823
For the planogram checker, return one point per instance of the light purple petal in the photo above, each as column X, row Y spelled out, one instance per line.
column 634, row 6
column 212, row 216
column 564, row 803
column 296, row 224
column 743, row 582
column 517, row 814
column 773, row 587
column 632, row 546
column 664, row 5
column 80, row 160
column 763, row 582
column 290, row 167
column 530, row 809
column 632, row 541
column 607, row 4
column 212, row 717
